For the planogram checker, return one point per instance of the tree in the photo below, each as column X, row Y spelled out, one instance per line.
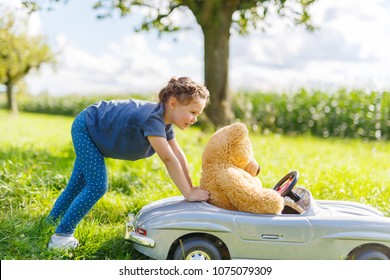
column 19, row 54
column 217, row 18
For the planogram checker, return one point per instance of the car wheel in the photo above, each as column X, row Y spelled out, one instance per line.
column 370, row 252
column 197, row 248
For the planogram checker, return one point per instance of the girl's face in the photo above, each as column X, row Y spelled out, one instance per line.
column 185, row 115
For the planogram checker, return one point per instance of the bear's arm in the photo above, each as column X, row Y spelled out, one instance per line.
column 246, row 195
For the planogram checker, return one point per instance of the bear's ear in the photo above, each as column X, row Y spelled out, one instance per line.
column 237, row 132
column 240, row 148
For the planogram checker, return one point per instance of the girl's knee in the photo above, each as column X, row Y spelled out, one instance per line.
column 100, row 189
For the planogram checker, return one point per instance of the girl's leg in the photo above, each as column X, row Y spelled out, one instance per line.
column 74, row 187
column 91, row 166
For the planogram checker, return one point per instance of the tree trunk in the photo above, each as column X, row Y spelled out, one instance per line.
column 216, row 31
column 12, row 105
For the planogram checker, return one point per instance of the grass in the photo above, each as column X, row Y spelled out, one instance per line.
column 36, row 159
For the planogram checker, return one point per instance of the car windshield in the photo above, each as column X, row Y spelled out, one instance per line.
column 306, row 205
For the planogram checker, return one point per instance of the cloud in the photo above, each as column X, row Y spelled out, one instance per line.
column 124, row 68
column 131, row 63
column 350, row 49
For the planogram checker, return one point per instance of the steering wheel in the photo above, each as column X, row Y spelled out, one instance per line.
column 286, row 184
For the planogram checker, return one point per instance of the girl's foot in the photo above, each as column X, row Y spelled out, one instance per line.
column 63, row 242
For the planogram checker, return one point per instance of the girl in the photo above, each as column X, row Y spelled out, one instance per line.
column 129, row 130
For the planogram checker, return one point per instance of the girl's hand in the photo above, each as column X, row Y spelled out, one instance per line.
column 197, row 194
column 252, row 168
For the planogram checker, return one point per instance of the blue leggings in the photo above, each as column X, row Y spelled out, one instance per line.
column 87, row 184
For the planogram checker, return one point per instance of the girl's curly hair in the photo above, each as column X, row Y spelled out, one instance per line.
column 184, row 89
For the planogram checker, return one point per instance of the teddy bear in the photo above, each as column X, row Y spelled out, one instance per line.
column 229, row 174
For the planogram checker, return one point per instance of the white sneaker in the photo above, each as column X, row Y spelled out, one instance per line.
column 63, row 242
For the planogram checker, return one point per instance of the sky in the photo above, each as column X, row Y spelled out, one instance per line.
column 350, row 49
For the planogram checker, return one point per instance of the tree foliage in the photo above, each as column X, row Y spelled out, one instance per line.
column 19, row 54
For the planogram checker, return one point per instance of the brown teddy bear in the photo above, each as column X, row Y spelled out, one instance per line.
column 229, row 174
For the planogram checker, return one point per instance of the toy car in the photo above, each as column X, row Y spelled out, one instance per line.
column 173, row 228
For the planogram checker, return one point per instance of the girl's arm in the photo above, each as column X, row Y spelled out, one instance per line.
column 182, row 158
column 175, row 170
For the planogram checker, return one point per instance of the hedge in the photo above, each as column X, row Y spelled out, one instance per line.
column 354, row 114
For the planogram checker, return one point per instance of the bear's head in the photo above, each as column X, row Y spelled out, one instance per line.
column 229, row 145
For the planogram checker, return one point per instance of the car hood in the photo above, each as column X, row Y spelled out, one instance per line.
column 346, row 208
column 168, row 206
column 178, row 205
column 162, row 203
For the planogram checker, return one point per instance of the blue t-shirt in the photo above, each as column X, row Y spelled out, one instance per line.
column 120, row 128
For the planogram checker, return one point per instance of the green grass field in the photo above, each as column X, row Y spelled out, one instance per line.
column 36, row 159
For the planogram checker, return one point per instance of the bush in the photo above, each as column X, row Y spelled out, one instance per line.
column 354, row 114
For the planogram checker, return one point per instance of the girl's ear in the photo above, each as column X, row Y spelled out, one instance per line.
column 172, row 102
